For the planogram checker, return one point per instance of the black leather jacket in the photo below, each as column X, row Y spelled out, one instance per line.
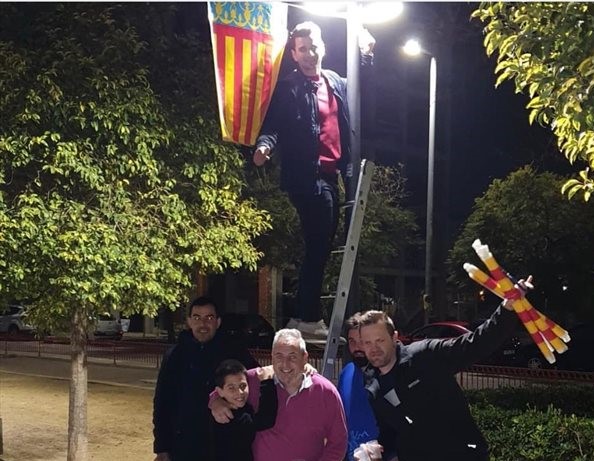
column 292, row 126
column 421, row 411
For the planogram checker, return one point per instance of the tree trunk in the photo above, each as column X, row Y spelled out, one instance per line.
column 77, row 410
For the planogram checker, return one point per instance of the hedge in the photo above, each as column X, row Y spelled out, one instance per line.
column 537, row 424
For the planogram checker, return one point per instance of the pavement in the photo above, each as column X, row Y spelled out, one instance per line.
column 59, row 368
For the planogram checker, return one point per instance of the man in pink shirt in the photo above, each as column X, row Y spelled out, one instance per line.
column 310, row 423
column 308, row 125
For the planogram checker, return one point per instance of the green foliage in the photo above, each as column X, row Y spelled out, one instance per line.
column 535, row 435
column 387, row 228
column 570, row 399
column 539, row 424
column 114, row 186
column 531, row 229
column 546, row 50
column 282, row 245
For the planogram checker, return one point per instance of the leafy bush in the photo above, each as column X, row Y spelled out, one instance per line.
column 523, row 424
column 570, row 399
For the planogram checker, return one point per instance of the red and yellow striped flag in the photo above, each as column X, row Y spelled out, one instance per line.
column 248, row 40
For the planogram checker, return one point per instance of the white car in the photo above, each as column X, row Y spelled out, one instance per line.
column 12, row 321
column 108, row 325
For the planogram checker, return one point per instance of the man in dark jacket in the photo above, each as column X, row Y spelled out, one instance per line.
column 308, row 121
column 181, row 417
column 421, row 411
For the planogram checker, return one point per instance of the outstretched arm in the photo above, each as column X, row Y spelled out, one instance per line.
column 459, row 353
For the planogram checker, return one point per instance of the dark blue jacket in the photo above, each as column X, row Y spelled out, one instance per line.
column 292, row 126
column 181, row 417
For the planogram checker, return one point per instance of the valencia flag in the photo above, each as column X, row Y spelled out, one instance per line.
column 248, row 40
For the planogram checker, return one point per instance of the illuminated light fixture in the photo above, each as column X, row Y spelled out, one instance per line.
column 332, row 9
column 368, row 12
column 412, row 47
column 376, row 12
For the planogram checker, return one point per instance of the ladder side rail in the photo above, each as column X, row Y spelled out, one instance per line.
column 346, row 269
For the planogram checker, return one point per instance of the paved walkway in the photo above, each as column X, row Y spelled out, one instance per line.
column 59, row 368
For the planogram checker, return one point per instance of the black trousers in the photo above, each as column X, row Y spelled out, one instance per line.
column 319, row 219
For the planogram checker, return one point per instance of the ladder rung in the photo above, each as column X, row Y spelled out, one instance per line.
column 316, row 342
column 328, row 296
column 338, row 250
column 346, row 204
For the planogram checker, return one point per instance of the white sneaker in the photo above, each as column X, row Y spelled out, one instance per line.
column 313, row 330
column 293, row 323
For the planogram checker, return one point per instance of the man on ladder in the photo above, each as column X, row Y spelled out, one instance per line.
column 308, row 122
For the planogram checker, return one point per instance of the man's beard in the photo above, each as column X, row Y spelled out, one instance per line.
column 360, row 361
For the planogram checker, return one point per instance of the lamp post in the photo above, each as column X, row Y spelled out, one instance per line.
column 413, row 48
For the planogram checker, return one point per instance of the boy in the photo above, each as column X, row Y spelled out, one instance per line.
column 233, row 441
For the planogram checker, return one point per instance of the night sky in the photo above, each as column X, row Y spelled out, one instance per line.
column 487, row 134
column 482, row 133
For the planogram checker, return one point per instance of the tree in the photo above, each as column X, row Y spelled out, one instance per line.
column 114, row 186
column 263, row 186
column 388, row 228
column 545, row 49
column 531, row 229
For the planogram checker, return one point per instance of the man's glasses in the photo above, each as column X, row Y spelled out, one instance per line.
column 203, row 318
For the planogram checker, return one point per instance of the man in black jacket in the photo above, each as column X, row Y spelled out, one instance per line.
column 181, row 417
column 421, row 411
column 308, row 121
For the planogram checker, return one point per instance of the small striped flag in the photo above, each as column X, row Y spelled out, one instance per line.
column 248, row 40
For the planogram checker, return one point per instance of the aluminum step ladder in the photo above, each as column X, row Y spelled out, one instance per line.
column 346, row 269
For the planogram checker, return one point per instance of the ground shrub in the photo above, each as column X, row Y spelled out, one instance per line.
column 570, row 399
column 544, row 424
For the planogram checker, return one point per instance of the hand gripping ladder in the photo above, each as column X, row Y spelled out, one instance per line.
column 346, row 269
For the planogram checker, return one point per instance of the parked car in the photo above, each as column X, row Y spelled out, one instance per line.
column 504, row 356
column 253, row 329
column 13, row 321
column 435, row 330
column 109, row 326
column 578, row 357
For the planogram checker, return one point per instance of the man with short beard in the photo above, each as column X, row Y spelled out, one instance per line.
column 420, row 409
column 361, row 423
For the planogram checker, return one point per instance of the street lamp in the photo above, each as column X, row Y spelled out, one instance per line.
column 366, row 12
column 413, row 48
